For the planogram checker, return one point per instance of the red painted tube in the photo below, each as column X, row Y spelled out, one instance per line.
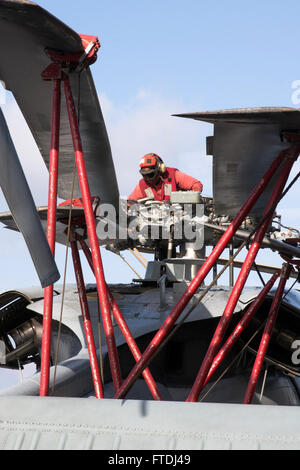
column 51, row 230
column 91, row 228
column 200, row 276
column 241, row 326
column 124, row 328
column 286, row 269
column 133, row 346
column 238, row 287
column 86, row 321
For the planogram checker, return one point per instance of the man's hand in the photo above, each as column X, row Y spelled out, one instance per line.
column 131, row 202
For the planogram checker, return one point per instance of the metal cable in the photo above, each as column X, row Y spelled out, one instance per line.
column 259, row 274
column 289, row 290
column 67, row 251
column 100, row 341
column 232, row 362
column 125, row 261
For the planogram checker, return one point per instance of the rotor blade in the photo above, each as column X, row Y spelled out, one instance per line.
column 245, row 143
column 21, row 204
column 30, row 30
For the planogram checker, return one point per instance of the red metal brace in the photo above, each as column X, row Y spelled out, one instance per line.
column 202, row 273
column 53, row 73
column 285, row 273
column 86, row 319
column 93, row 239
column 239, row 285
column 123, row 327
column 241, row 326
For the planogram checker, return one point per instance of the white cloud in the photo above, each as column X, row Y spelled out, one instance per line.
column 145, row 124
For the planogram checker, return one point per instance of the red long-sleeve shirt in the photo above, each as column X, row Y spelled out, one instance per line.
column 183, row 182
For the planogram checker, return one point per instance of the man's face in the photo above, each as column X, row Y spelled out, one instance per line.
column 150, row 174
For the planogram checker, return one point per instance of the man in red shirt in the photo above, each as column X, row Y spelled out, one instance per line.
column 159, row 181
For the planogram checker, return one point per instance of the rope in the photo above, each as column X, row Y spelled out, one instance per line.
column 21, row 378
column 141, row 256
column 263, row 384
column 232, row 363
column 100, row 342
column 297, row 280
column 259, row 274
column 64, row 282
column 122, row 257
column 136, row 254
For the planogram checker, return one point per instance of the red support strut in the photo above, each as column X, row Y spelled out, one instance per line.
column 86, row 320
column 51, row 229
column 285, row 273
column 241, row 326
column 202, row 273
column 124, row 328
column 91, row 228
column 238, row 287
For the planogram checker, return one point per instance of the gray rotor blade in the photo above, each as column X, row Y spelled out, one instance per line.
column 33, row 30
column 22, row 207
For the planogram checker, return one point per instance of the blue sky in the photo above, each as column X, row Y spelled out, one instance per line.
column 159, row 58
column 209, row 54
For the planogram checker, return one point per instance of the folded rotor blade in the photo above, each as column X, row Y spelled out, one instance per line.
column 34, row 30
column 245, row 143
column 22, row 207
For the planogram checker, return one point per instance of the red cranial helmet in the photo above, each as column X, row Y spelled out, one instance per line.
column 151, row 167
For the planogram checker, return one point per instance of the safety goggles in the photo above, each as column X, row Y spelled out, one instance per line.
column 149, row 173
